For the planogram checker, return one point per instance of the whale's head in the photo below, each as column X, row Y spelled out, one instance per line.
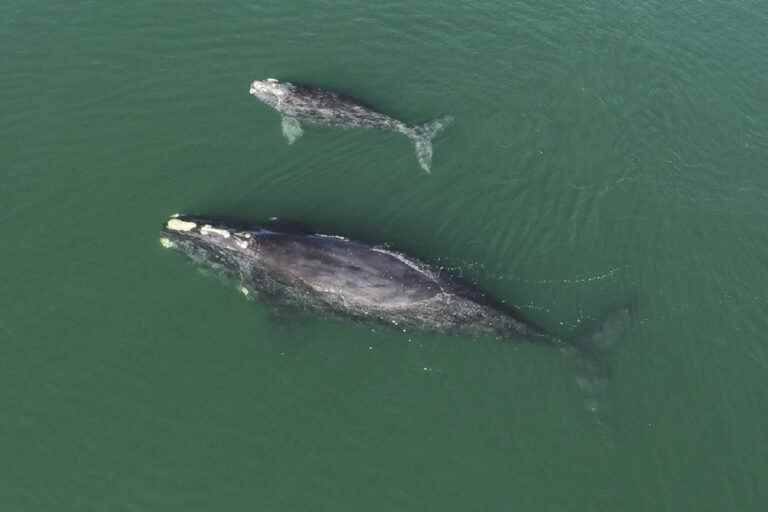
column 269, row 90
column 211, row 243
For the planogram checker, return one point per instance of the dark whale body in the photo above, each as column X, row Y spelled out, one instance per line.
column 300, row 104
column 333, row 274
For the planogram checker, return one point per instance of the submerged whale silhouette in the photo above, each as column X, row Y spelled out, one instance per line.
column 299, row 104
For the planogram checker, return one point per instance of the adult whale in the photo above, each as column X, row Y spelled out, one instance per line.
column 329, row 273
column 299, row 104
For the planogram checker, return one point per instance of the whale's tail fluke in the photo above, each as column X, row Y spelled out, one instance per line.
column 422, row 136
column 600, row 339
column 593, row 347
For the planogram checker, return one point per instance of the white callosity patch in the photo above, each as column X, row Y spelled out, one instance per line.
column 264, row 89
column 207, row 229
column 244, row 291
column 335, row 237
column 165, row 242
column 180, row 225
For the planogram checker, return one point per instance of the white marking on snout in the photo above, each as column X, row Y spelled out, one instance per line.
column 335, row 237
column 165, row 242
column 208, row 229
column 244, row 290
column 180, row 225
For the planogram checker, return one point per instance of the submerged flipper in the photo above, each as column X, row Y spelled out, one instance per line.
column 422, row 136
column 291, row 129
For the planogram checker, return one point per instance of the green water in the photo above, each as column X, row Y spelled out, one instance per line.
column 602, row 152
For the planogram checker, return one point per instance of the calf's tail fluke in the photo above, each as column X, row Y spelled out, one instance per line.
column 422, row 136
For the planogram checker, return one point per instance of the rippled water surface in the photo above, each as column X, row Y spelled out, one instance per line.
column 602, row 152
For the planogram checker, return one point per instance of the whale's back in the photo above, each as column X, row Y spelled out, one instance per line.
column 354, row 274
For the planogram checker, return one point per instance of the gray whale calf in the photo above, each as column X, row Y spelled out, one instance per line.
column 299, row 104
column 328, row 273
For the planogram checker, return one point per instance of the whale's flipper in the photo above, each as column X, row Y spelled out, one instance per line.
column 422, row 136
column 291, row 129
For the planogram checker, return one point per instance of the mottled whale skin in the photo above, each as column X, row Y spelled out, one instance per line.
column 327, row 273
column 300, row 104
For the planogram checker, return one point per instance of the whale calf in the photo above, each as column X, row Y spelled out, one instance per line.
column 299, row 104
column 329, row 273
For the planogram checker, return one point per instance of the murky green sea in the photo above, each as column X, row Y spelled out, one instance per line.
column 603, row 151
